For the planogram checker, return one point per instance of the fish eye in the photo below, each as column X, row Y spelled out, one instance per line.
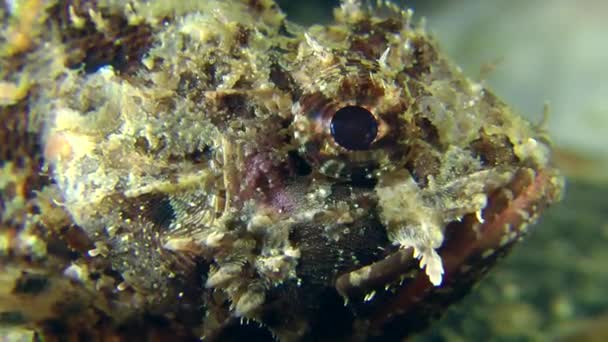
column 354, row 128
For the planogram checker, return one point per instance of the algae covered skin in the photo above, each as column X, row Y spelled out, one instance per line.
column 215, row 170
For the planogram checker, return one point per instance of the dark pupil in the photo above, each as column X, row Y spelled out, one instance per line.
column 354, row 128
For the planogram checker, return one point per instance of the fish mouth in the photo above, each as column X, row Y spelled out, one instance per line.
column 393, row 296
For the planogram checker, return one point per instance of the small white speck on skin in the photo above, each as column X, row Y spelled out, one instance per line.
column 94, row 252
column 479, row 216
column 74, row 272
column 504, row 240
column 107, row 72
column 384, row 57
column 368, row 297
column 487, row 253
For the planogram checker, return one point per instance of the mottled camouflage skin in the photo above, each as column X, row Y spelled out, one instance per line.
column 171, row 173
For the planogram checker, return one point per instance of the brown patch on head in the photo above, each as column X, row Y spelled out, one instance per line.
column 20, row 146
column 189, row 85
column 120, row 45
column 257, row 5
column 425, row 55
column 365, row 90
column 284, row 81
column 242, row 35
column 165, row 104
column 16, row 141
column 494, row 150
column 426, row 131
column 196, row 157
column 235, row 104
column 423, row 162
column 230, row 106
column 31, row 284
column 142, row 145
column 420, row 129
column 316, row 106
column 76, row 239
column 363, row 26
column 369, row 46
column 193, row 83
column 392, row 25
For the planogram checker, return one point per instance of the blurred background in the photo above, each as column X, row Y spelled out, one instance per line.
column 532, row 53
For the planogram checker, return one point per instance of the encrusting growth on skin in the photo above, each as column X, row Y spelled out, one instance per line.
column 208, row 169
column 411, row 223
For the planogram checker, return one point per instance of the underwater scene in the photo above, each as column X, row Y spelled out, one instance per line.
column 345, row 170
